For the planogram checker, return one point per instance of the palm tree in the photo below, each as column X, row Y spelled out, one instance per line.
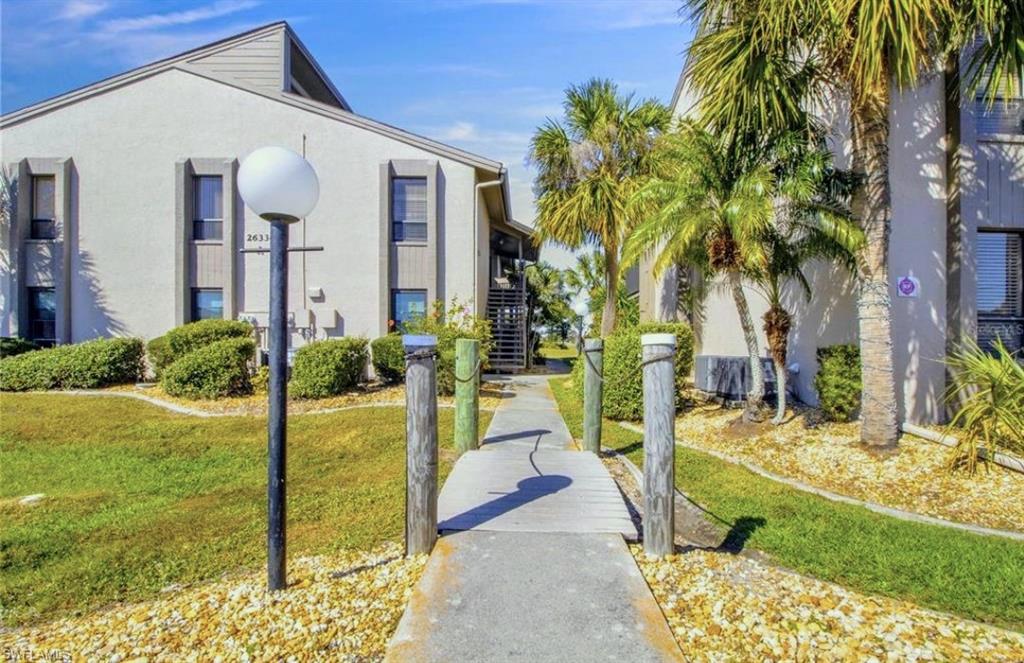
column 587, row 169
column 588, row 276
column 547, row 302
column 812, row 222
column 757, row 65
column 707, row 208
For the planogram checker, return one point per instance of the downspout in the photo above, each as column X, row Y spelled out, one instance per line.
column 477, row 195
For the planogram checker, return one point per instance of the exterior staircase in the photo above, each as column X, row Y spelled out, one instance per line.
column 506, row 309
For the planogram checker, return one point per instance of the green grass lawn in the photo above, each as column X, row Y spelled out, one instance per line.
column 978, row 577
column 139, row 498
column 556, row 351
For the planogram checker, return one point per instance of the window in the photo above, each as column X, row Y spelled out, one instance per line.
column 1000, row 294
column 407, row 305
column 42, row 315
column 207, row 207
column 409, row 209
column 207, row 304
column 1005, row 115
column 44, row 225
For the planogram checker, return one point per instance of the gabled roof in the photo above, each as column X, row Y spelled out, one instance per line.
column 203, row 61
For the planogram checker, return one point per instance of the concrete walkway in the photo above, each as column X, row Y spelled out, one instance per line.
column 533, row 565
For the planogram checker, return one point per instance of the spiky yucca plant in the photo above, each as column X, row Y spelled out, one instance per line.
column 988, row 391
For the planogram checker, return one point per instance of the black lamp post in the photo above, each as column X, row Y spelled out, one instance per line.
column 281, row 187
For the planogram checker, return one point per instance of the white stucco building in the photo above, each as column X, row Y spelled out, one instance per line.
column 957, row 176
column 128, row 220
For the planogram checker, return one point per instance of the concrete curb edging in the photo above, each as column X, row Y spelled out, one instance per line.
column 1005, row 460
column 192, row 412
column 836, row 497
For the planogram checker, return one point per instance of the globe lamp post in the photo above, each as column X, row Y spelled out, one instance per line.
column 281, row 188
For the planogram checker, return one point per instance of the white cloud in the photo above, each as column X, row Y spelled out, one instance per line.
column 76, row 10
column 168, row 19
column 460, row 131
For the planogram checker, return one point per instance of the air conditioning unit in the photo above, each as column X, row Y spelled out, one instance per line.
column 727, row 377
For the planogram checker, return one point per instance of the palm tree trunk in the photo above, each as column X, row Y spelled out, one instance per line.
column 611, row 289
column 756, row 394
column 872, row 206
column 777, row 323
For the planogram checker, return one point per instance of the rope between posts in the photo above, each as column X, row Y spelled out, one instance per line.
column 476, row 371
column 661, row 357
column 416, row 355
column 586, row 355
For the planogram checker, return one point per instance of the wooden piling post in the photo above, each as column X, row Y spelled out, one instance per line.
column 659, row 442
column 467, row 395
column 593, row 393
column 421, row 443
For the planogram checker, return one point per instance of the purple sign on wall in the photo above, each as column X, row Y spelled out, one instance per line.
column 908, row 286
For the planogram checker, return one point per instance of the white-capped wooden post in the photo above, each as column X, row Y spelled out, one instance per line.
column 593, row 393
column 659, row 442
column 421, row 443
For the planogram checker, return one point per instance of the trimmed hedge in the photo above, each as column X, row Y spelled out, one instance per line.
column 327, row 368
column 214, row 371
column 838, row 382
column 623, row 377
column 11, row 346
column 90, row 365
column 159, row 352
column 388, row 358
column 194, row 335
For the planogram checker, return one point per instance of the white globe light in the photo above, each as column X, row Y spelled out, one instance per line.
column 278, row 184
column 581, row 309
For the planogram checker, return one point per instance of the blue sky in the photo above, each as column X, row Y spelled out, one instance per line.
column 478, row 74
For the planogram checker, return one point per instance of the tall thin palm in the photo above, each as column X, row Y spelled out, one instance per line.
column 758, row 65
column 812, row 223
column 704, row 208
column 588, row 166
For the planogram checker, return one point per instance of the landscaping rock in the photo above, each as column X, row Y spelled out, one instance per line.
column 337, row 607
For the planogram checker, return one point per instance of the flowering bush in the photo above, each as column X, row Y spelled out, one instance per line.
column 448, row 325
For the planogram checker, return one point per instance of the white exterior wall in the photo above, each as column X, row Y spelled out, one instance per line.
column 125, row 144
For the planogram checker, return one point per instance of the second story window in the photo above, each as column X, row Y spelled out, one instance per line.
column 207, row 208
column 1004, row 115
column 409, row 209
column 44, row 225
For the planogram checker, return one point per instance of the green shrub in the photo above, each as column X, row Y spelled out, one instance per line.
column 194, row 335
column 327, row 368
column 11, row 346
column 838, row 381
column 159, row 352
column 388, row 358
column 261, row 380
column 987, row 392
column 90, row 365
column 448, row 326
column 213, row 371
column 623, row 375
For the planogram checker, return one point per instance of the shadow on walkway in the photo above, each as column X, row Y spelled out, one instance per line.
column 537, row 433
column 527, row 490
